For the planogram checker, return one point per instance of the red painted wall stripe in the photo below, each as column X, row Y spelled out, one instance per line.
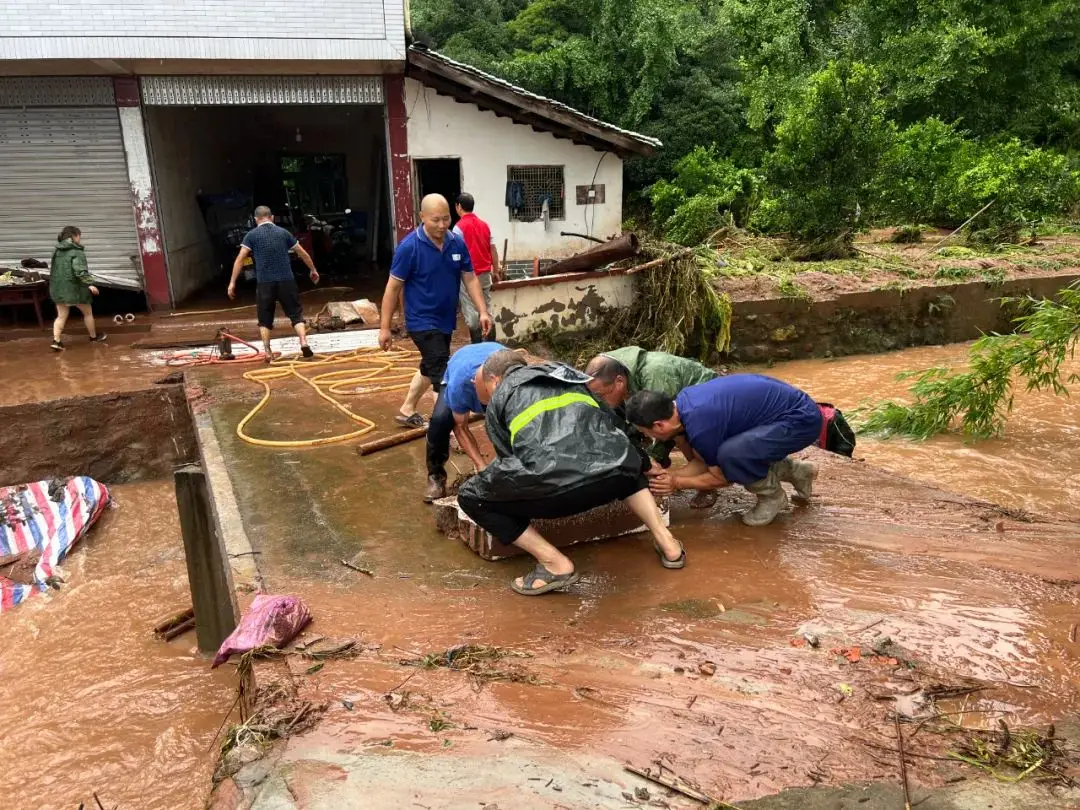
column 400, row 174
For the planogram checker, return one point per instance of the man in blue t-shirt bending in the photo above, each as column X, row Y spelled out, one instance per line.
column 742, row 429
column 456, row 403
column 431, row 264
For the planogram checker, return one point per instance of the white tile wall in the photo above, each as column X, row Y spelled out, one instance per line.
column 202, row 29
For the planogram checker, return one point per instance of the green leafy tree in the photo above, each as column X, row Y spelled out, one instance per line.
column 829, row 142
column 706, row 189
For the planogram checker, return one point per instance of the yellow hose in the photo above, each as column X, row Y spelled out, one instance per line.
column 385, row 371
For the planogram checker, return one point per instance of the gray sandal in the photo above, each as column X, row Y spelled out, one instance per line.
column 553, row 582
column 415, row 421
column 664, row 561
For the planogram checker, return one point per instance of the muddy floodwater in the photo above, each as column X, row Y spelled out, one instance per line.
column 637, row 664
column 91, row 701
column 1034, row 466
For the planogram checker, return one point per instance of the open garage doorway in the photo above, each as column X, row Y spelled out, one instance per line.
column 320, row 168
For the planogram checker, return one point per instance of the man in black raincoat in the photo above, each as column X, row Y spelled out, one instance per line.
column 559, row 453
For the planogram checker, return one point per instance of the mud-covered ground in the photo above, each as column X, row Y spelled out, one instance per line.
column 706, row 671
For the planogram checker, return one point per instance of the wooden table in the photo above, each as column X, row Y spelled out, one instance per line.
column 31, row 294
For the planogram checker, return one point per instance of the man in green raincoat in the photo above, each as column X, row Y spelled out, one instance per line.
column 618, row 374
column 559, row 453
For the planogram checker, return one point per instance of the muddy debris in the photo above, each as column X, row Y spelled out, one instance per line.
column 1010, row 755
column 483, row 662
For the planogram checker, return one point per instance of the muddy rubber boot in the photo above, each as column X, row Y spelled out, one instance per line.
column 800, row 474
column 436, row 488
column 771, row 499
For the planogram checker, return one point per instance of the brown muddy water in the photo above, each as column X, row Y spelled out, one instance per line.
column 1034, row 466
column 92, row 702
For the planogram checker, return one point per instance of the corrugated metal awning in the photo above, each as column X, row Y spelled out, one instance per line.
column 227, row 91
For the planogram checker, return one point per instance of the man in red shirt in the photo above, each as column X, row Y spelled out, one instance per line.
column 485, row 260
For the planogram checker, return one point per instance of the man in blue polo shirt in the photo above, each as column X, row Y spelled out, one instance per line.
column 456, row 403
column 742, row 429
column 430, row 264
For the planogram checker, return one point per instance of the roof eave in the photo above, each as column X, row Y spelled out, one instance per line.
column 525, row 108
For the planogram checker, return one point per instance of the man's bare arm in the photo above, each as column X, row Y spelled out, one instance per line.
column 467, row 440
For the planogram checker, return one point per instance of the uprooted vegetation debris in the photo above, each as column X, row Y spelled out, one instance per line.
column 1011, row 755
column 483, row 662
column 685, row 295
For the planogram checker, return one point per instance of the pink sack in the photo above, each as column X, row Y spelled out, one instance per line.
column 271, row 620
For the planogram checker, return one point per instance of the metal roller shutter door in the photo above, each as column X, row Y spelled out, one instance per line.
column 66, row 166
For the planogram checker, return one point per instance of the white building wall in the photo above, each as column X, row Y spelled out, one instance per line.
column 202, row 29
column 440, row 127
column 564, row 303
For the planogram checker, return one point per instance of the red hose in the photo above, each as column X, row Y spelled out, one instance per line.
column 179, row 360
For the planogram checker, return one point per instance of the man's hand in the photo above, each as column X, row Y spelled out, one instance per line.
column 232, row 291
column 314, row 276
column 486, row 324
column 662, row 484
column 94, row 290
column 385, row 339
column 654, row 469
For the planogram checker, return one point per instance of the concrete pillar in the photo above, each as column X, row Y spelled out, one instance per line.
column 151, row 244
column 397, row 147
column 208, row 567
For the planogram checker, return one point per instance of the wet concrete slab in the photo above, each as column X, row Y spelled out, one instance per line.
column 700, row 669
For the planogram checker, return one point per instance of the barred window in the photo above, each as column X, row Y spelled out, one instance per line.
column 528, row 187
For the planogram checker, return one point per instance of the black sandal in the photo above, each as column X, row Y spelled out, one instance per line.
column 664, row 561
column 415, row 421
column 553, row 582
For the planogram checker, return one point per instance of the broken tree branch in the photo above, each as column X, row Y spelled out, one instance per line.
column 903, row 763
column 673, row 784
column 954, row 233
column 348, row 564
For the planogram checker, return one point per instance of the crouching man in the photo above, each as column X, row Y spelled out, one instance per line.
column 618, row 374
column 456, row 403
column 559, row 453
column 742, row 428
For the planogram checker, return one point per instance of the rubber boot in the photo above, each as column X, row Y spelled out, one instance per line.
column 771, row 498
column 800, row 474
column 436, row 489
column 476, row 336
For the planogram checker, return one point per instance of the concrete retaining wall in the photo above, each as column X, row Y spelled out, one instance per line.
column 878, row 320
column 572, row 302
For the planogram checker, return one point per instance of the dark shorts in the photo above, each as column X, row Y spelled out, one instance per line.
column 268, row 294
column 506, row 521
column 434, row 348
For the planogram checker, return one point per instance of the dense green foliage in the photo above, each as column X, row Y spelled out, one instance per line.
column 824, row 115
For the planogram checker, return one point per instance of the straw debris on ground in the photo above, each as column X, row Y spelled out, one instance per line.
column 483, row 662
column 1011, row 755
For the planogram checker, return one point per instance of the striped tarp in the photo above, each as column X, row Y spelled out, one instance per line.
column 49, row 516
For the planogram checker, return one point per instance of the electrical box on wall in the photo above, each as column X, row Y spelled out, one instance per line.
column 590, row 195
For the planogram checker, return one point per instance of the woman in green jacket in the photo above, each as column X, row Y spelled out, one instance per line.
column 70, row 285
